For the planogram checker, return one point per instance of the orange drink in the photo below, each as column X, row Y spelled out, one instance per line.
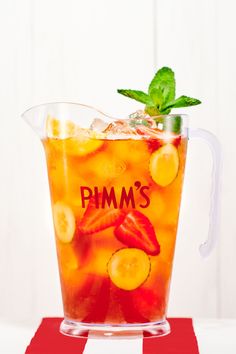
column 115, row 189
column 115, row 202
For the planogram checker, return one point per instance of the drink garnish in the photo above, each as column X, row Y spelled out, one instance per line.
column 64, row 222
column 160, row 98
column 98, row 219
column 137, row 231
column 164, row 165
column 128, row 268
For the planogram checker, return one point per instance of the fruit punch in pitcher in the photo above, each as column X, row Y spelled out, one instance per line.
column 115, row 205
column 115, row 189
column 115, row 192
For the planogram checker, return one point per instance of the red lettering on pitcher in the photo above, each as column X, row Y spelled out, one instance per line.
column 127, row 198
column 96, row 197
column 145, row 196
column 109, row 198
column 85, row 197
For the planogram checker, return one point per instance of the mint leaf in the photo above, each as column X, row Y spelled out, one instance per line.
column 164, row 82
column 137, row 95
column 165, row 111
column 182, row 101
column 160, row 98
column 157, row 96
column 152, row 110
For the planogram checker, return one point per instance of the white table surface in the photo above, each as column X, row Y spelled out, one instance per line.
column 214, row 337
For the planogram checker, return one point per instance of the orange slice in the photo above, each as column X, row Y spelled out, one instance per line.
column 164, row 165
column 60, row 129
column 128, row 268
column 64, row 222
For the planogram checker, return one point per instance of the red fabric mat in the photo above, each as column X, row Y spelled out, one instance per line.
column 181, row 340
column 48, row 340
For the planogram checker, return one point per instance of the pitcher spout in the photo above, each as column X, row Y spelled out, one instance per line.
column 35, row 117
column 81, row 114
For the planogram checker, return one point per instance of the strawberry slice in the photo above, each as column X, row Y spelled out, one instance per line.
column 157, row 138
column 137, row 231
column 155, row 144
column 98, row 219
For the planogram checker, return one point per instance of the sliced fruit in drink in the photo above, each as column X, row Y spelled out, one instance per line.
column 128, row 268
column 137, row 231
column 60, row 129
column 164, row 165
column 97, row 219
column 154, row 144
column 168, row 138
column 71, row 139
column 64, row 222
column 174, row 139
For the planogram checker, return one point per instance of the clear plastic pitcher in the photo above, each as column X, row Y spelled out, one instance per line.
column 115, row 192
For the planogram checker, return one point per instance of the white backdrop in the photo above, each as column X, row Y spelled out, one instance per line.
column 83, row 51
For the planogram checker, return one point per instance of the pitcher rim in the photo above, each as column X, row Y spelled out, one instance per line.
column 66, row 103
column 184, row 116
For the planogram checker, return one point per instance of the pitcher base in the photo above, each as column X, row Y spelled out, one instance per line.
column 123, row 331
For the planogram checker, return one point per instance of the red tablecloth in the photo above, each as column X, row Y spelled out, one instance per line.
column 48, row 340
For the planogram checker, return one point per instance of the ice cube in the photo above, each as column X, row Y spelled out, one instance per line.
column 120, row 128
column 98, row 125
column 149, row 132
column 139, row 114
column 141, row 118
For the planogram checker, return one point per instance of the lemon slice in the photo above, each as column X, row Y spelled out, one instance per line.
column 64, row 222
column 128, row 268
column 164, row 165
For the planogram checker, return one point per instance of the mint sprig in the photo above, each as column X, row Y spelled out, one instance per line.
column 137, row 95
column 160, row 98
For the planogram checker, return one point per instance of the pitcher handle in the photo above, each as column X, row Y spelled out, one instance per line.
column 214, row 216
